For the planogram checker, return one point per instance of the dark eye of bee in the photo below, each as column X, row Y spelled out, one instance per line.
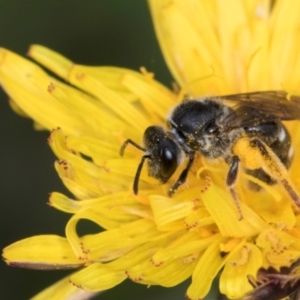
column 211, row 128
column 168, row 162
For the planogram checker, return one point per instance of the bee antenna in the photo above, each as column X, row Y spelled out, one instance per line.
column 129, row 141
column 138, row 173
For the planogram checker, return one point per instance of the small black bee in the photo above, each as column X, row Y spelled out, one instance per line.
column 241, row 128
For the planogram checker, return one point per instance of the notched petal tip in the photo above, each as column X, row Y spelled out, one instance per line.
column 50, row 59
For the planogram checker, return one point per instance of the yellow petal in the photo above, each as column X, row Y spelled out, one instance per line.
column 243, row 261
column 96, row 148
column 189, row 44
column 240, row 38
column 284, row 44
column 186, row 245
column 140, row 266
column 280, row 249
column 168, row 274
column 52, row 60
column 77, row 173
column 97, row 277
column 100, row 121
column 107, row 202
column 63, row 289
column 167, row 210
column 222, row 208
column 124, row 110
column 112, row 77
column 113, row 243
column 44, row 252
column 110, row 208
column 28, row 84
column 155, row 97
column 206, row 269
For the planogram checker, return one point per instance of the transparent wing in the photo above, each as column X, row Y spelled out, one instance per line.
column 251, row 109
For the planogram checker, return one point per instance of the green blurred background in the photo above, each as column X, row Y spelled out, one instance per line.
column 103, row 32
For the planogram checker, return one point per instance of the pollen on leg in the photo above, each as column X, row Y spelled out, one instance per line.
column 259, row 155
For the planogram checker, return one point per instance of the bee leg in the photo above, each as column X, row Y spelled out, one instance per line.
column 231, row 180
column 182, row 178
column 273, row 167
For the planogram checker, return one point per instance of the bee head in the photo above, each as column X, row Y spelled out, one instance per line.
column 164, row 153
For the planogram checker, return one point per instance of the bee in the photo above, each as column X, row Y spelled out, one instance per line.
column 243, row 129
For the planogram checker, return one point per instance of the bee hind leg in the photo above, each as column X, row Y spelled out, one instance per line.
column 272, row 165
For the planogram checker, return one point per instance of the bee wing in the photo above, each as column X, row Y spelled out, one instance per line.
column 251, row 109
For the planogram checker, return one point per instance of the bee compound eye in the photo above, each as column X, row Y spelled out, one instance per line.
column 168, row 163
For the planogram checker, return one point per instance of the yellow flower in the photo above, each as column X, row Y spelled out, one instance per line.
column 212, row 48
